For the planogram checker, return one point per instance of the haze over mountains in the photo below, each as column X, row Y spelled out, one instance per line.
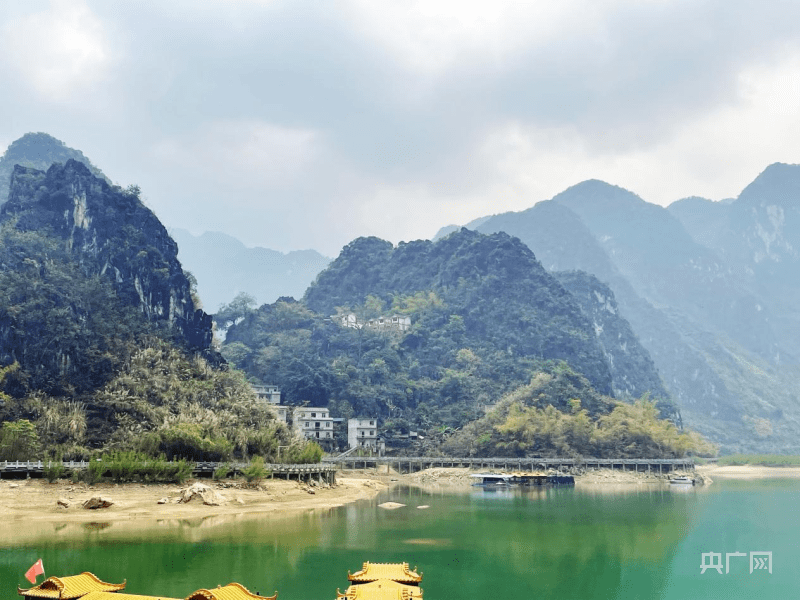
column 262, row 273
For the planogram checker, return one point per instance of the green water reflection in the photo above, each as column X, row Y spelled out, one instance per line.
column 641, row 542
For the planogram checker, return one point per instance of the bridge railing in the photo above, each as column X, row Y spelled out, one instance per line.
column 38, row 465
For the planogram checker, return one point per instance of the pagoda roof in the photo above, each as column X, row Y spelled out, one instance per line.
column 232, row 591
column 382, row 589
column 395, row 571
column 118, row 596
column 68, row 588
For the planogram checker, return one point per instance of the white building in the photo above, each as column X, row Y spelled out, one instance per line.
column 349, row 320
column 393, row 323
column 283, row 413
column 363, row 433
column 313, row 423
column 267, row 393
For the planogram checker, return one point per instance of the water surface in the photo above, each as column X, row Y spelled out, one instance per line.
column 560, row 543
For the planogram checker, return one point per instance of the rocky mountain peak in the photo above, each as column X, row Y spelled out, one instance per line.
column 39, row 151
column 111, row 233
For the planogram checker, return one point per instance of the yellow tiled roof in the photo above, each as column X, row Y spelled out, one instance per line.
column 395, row 571
column 232, row 591
column 118, row 596
column 69, row 588
column 382, row 589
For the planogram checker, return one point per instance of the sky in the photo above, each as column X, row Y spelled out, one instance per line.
column 295, row 125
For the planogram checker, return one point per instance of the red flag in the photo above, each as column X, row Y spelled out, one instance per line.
column 36, row 569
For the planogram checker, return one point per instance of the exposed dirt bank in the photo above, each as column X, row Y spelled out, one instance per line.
column 23, row 503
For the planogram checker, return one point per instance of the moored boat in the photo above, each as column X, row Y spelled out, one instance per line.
column 681, row 480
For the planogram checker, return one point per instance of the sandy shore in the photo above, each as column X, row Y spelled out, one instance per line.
column 26, row 503
column 749, row 472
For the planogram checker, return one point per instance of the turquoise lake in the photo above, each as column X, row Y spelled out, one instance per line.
column 557, row 543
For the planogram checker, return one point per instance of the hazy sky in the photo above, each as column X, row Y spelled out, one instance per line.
column 298, row 125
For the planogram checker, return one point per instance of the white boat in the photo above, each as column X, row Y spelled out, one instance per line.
column 682, row 480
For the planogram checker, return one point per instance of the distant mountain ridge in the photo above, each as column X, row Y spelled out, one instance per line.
column 224, row 267
column 712, row 289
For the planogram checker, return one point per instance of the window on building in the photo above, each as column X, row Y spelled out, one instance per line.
column 372, row 422
column 372, row 432
column 318, row 434
column 316, row 424
column 313, row 415
column 308, row 424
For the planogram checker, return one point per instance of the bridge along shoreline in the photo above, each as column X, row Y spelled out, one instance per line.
column 325, row 471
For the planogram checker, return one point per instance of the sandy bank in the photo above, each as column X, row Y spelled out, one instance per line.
column 749, row 472
column 26, row 502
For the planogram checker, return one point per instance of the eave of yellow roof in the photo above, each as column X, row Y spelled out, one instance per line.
column 118, row 596
column 394, row 571
column 69, row 588
column 232, row 591
column 382, row 589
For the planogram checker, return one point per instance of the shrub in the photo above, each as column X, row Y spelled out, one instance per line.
column 222, row 471
column 256, row 470
column 311, row 452
column 136, row 466
column 54, row 468
column 187, row 441
column 18, row 440
column 94, row 472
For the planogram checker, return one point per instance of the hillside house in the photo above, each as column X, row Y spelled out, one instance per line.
column 393, row 323
column 271, row 394
column 267, row 393
column 313, row 423
column 363, row 433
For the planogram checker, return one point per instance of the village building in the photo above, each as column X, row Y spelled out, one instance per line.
column 383, row 323
column 267, row 393
column 313, row 423
column 393, row 323
column 271, row 394
column 363, row 433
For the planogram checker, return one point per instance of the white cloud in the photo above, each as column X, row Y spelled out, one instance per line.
column 427, row 36
column 59, row 50
column 241, row 153
column 716, row 154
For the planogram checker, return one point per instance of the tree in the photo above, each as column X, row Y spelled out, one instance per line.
column 238, row 308
column 18, row 440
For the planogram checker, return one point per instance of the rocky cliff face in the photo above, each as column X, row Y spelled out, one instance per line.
column 110, row 232
column 632, row 370
column 758, row 237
